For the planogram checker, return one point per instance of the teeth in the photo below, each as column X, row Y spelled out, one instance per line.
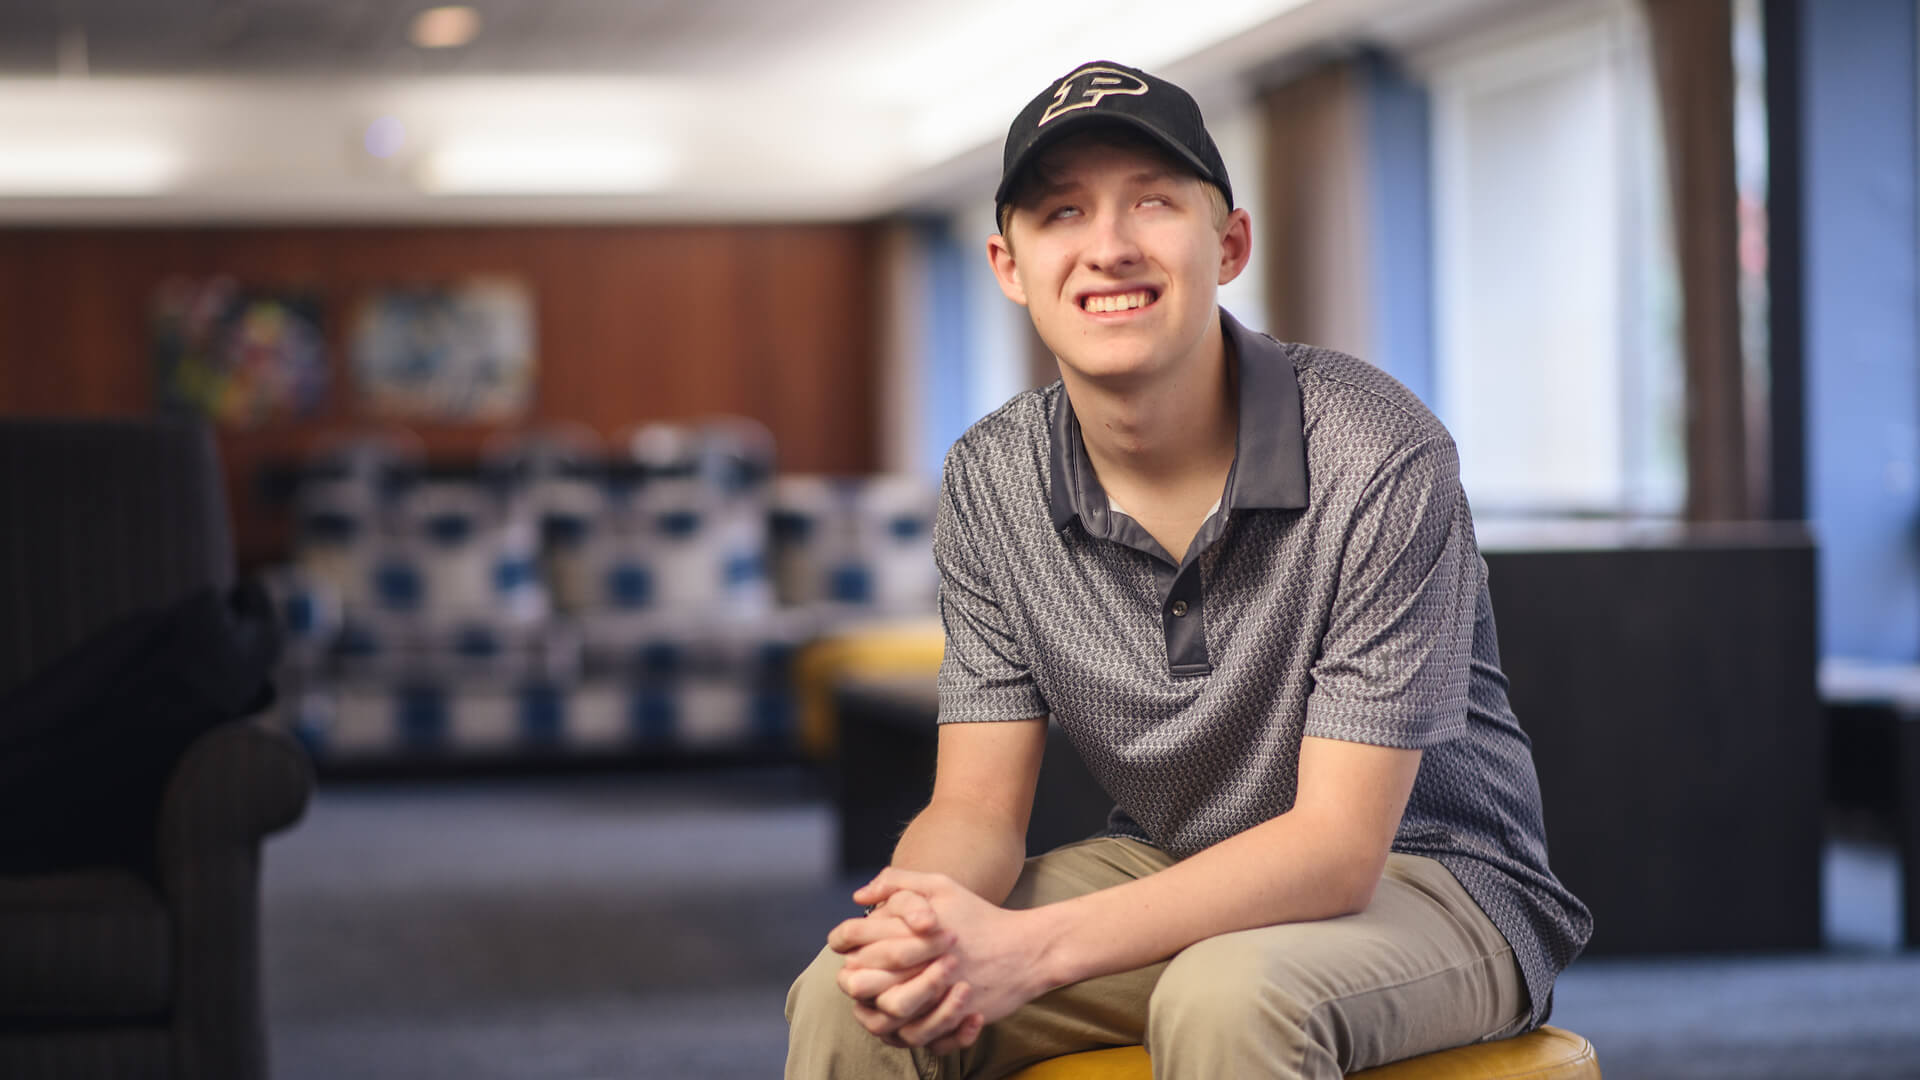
column 1120, row 302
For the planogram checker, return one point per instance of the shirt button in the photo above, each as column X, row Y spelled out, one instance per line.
column 1179, row 608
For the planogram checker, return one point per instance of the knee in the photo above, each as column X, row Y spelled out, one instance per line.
column 1221, row 1001
column 1225, row 1007
column 824, row 1039
column 1213, row 985
column 815, row 996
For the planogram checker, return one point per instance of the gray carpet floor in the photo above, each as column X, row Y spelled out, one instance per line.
column 646, row 925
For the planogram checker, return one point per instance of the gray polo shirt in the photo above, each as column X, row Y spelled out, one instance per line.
column 1336, row 591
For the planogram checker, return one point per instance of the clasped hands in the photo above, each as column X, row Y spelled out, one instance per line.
column 932, row 964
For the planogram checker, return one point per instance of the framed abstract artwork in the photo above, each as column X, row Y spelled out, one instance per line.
column 460, row 352
column 237, row 355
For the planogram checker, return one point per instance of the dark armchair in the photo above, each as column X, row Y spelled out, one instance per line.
column 149, row 967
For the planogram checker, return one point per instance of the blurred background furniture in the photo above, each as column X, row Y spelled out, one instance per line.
column 883, row 773
column 567, row 598
column 1873, row 717
column 113, row 970
column 1667, row 677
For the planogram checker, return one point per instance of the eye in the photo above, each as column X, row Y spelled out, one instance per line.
column 1156, row 200
column 1059, row 212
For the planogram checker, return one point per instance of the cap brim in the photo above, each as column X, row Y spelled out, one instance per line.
column 1073, row 124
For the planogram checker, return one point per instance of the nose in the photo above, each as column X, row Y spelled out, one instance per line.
column 1112, row 247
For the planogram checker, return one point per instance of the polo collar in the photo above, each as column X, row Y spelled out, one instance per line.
column 1270, row 452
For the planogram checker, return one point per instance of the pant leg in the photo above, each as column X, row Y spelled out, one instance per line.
column 1421, row 969
column 824, row 1040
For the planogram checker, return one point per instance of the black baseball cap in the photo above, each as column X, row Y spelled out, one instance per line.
column 1103, row 92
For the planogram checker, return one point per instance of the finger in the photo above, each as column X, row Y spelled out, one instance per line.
column 875, row 1021
column 899, row 953
column 970, row 1031
column 865, row 984
column 879, row 1024
column 919, row 994
column 942, row 1019
column 961, row 1037
column 875, row 892
column 892, row 880
column 914, row 910
column 857, row 933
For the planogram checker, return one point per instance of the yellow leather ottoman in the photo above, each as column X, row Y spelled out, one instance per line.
column 1548, row 1053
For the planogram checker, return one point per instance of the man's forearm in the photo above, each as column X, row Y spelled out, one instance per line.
column 1320, row 859
column 1277, row 872
column 981, row 853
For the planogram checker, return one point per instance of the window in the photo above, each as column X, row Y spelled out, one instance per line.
column 1557, row 304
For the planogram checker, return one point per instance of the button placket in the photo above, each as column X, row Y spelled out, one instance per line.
column 1183, row 606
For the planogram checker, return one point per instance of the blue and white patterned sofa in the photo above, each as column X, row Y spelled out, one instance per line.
column 563, row 600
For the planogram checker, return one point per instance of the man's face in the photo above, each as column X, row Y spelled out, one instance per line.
column 1115, row 254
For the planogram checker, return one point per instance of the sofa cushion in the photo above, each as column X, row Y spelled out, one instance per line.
column 83, row 944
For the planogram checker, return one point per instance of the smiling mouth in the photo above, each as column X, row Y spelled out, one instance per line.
column 1127, row 301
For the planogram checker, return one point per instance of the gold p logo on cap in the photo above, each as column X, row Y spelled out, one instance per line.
column 1085, row 88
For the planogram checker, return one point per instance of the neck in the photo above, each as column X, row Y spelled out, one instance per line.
column 1170, row 430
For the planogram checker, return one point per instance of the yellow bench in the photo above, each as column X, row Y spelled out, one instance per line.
column 1548, row 1053
column 904, row 647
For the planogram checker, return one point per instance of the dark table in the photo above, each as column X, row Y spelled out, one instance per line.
column 1880, row 704
column 885, row 772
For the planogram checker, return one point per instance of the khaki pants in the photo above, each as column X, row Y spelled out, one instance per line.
column 1421, row 969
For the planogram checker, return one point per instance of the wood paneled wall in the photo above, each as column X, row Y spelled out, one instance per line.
column 635, row 323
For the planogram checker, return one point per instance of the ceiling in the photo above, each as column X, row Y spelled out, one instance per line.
column 247, row 110
column 706, row 38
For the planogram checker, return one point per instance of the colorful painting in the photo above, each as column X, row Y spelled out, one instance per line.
column 457, row 352
column 236, row 355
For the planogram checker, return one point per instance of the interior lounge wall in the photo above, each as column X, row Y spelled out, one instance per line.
column 635, row 323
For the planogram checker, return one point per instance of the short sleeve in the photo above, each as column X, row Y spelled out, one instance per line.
column 1395, row 659
column 984, row 675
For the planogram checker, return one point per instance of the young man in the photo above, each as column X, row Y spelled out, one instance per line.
column 1242, row 577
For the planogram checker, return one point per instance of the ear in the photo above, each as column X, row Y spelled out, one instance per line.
column 1005, row 269
column 1236, row 245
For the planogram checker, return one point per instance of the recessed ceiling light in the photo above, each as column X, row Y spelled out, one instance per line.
column 445, row 27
